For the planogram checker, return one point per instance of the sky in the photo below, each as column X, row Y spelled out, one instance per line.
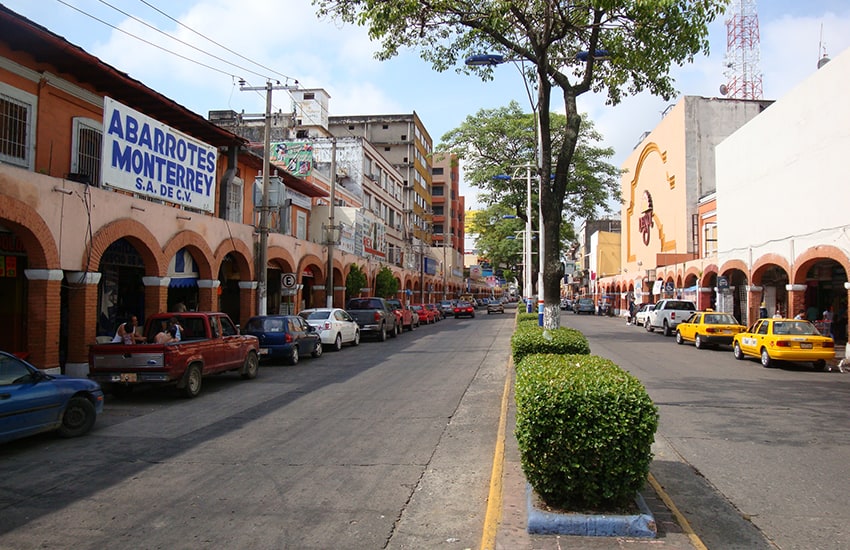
column 289, row 42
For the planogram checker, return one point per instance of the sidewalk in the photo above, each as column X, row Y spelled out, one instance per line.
column 512, row 533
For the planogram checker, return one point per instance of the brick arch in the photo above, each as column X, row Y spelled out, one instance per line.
column 240, row 252
column 735, row 265
column 693, row 270
column 29, row 227
column 281, row 256
column 313, row 260
column 764, row 263
column 198, row 247
column 156, row 263
column 815, row 254
column 709, row 270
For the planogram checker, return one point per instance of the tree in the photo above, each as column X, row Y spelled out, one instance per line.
column 386, row 285
column 629, row 46
column 355, row 280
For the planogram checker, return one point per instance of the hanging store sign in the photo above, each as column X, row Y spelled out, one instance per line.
column 145, row 156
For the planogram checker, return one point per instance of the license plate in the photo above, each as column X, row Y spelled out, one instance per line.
column 264, row 351
column 805, row 345
column 128, row 377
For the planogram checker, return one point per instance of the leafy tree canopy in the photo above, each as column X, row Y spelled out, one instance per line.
column 386, row 285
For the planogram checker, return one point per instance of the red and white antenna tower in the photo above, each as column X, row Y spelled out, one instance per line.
column 742, row 52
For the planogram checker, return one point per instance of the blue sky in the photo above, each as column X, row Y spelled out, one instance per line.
column 287, row 37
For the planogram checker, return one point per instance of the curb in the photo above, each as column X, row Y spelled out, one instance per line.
column 541, row 522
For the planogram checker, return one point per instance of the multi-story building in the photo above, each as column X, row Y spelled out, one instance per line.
column 405, row 142
column 448, row 216
column 732, row 203
column 117, row 201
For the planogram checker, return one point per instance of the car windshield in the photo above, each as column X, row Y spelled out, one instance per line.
column 265, row 324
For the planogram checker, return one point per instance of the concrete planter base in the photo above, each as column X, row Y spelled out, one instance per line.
column 542, row 522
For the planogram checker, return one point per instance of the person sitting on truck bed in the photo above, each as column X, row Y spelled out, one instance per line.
column 126, row 332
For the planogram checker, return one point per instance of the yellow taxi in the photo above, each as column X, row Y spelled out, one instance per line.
column 784, row 340
column 708, row 328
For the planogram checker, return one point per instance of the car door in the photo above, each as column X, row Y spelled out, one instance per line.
column 231, row 341
column 751, row 343
column 345, row 325
column 687, row 328
column 298, row 328
column 28, row 404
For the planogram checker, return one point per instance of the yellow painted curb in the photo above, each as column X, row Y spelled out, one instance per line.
column 494, row 499
column 680, row 518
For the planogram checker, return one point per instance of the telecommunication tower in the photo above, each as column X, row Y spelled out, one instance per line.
column 742, row 52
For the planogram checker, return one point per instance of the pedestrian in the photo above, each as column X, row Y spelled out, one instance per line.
column 126, row 332
column 763, row 311
column 800, row 315
column 175, row 329
column 632, row 312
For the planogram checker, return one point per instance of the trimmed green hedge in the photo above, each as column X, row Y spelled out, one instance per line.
column 585, row 429
column 528, row 338
column 522, row 316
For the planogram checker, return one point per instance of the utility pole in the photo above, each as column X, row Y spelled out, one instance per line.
column 329, row 278
column 262, row 268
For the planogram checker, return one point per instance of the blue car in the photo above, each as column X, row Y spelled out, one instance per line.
column 286, row 337
column 32, row 401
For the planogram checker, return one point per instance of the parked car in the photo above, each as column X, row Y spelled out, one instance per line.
column 447, row 307
column 584, row 305
column 426, row 316
column 32, row 401
column 374, row 317
column 667, row 314
column 404, row 316
column 334, row 325
column 209, row 344
column 641, row 313
column 495, row 306
column 435, row 311
column 284, row 336
column 773, row 340
column 464, row 309
column 705, row 328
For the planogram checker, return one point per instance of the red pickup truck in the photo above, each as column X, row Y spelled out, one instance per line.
column 209, row 344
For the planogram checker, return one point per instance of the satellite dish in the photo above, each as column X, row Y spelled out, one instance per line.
column 723, row 89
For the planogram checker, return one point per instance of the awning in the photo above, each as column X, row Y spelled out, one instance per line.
column 183, row 282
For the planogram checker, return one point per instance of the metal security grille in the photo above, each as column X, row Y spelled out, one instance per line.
column 89, row 141
column 14, row 117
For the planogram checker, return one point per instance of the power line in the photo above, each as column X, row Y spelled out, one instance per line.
column 166, row 50
column 205, row 37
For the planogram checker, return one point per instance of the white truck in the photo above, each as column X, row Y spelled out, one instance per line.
column 667, row 314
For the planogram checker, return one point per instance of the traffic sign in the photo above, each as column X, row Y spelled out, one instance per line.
column 288, row 280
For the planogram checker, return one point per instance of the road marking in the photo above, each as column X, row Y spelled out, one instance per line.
column 683, row 522
column 494, row 499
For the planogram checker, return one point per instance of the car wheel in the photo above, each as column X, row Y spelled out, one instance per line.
column 317, row 351
column 338, row 342
column 736, row 351
column 698, row 343
column 78, row 418
column 679, row 339
column 820, row 364
column 356, row 341
column 293, row 356
column 382, row 335
column 194, row 376
column 648, row 326
column 251, row 366
column 666, row 329
column 766, row 361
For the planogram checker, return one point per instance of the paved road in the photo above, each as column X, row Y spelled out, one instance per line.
column 774, row 444
column 388, row 445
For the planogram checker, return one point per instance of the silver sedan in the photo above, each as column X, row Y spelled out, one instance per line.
column 334, row 325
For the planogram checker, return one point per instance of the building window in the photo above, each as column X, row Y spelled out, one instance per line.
column 17, row 126
column 436, row 171
column 709, row 245
column 301, row 225
column 234, row 200
column 86, row 150
column 438, row 210
column 437, row 191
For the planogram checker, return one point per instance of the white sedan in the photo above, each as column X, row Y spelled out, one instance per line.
column 335, row 326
